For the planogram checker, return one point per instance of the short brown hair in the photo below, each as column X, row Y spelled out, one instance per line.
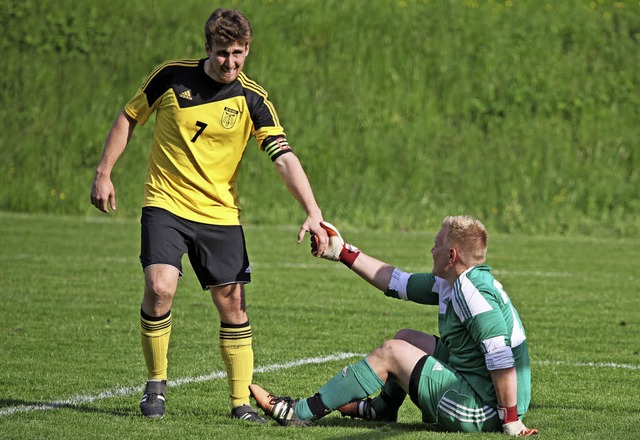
column 226, row 27
column 469, row 236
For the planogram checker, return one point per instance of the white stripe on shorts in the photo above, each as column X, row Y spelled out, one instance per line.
column 465, row 414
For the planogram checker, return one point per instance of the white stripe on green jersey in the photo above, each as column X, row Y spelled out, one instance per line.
column 467, row 299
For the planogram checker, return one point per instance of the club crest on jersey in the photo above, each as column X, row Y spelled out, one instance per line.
column 229, row 117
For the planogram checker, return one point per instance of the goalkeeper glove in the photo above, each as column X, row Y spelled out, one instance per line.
column 337, row 249
column 512, row 425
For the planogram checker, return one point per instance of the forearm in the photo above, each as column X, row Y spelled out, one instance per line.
column 103, row 193
column 116, row 142
column 375, row 272
column 296, row 181
column 505, row 383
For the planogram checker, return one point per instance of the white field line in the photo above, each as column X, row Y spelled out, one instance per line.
column 125, row 391
column 589, row 364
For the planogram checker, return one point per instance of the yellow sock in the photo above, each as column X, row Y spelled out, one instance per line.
column 155, row 333
column 237, row 354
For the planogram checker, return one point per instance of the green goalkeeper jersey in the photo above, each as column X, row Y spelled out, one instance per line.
column 476, row 318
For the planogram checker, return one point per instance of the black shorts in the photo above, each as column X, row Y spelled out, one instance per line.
column 218, row 254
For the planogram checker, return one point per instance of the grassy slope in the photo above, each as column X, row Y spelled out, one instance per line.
column 522, row 113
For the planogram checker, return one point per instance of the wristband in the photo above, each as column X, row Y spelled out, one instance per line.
column 508, row 415
column 348, row 255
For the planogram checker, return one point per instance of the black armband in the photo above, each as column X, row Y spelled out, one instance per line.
column 276, row 146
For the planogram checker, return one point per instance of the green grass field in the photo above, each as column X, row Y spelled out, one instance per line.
column 71, row 365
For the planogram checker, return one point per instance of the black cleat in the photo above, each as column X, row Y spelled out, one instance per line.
column 152, row 403
column 246, row 412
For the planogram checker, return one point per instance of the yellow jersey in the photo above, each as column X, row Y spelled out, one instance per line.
column 201, row 132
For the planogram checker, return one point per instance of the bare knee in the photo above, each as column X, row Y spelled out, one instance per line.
column 159, row 290
column 389, row 348
column 382, row 358
column 228, row 295
column 229, row 299
column 394, row 357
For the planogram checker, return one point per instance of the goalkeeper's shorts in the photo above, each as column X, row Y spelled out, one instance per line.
column 447, row 400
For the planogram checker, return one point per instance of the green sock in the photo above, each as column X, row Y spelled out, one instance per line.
column 352, row 383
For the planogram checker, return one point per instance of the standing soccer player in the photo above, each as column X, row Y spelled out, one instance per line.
column 206, row 111
column 474, row 377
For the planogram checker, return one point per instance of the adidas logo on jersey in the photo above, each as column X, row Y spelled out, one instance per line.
column 186, row 95
column 437, row 367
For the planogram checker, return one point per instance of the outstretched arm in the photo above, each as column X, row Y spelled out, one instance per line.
column 103, row 193
column 296, row 181
column 375, row 272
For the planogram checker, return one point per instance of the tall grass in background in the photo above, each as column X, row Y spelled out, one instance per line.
column 523, row 113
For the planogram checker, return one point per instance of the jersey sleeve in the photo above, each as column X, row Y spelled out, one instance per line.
column 267, row 128
column 148, row 96
column 478, row 308
column 138, row 108
column 419, row 288
column 267, row 125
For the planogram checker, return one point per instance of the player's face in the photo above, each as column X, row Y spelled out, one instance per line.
column 226, row 62
column 441, row 254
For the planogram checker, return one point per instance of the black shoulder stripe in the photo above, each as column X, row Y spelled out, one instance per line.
column 161, row 67
column 251, row 85
column 262, row 110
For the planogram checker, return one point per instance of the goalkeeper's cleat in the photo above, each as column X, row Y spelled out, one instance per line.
column 152, row 403
column 281, row 409
column 246, row 412
column 362, row 409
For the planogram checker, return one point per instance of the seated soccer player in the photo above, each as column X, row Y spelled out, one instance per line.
column 474, row 377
